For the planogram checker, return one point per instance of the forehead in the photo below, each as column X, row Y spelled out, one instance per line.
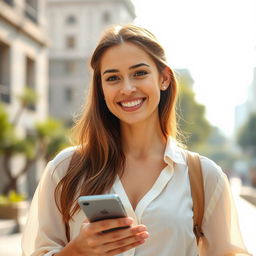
column 124, row 55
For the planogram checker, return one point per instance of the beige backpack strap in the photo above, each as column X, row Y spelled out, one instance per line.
column 197, row 191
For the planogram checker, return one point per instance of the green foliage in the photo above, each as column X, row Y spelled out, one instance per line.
column 12, row 197
column 26, row 146
column 6, row 129
column 8, row 139
column 48, row 128
column 4, row 123
column 191, row 116
column 28, row 97
column 43, row 141
column 54, row 134
column 247, row 135
column 56, row 144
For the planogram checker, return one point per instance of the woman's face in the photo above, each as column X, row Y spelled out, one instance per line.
column 131, row 83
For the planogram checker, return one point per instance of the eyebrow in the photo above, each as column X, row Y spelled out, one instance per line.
column 132, row 67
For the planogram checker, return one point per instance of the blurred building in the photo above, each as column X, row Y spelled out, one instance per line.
column 243, row 111
column 75, row 27
column 23, row 60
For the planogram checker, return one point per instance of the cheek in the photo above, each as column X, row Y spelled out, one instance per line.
column 153, row 90
column 109, row 96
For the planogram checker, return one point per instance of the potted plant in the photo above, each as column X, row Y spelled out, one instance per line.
column 13, row 206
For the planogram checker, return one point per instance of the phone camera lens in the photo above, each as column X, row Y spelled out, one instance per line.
column 86, row 203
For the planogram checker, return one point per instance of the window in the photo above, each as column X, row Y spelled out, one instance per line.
column 70, row 67
column 71, row 20
column 5, row 73
column 31, row 10
column 69, row 95
column 10, row 2
column 30, row 79
column 70, row 42
column 106, row 17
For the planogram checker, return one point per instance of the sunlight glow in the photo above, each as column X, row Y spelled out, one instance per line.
column 215, row 41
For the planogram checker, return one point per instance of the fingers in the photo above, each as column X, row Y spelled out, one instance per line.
column 118, row 241
column 125, row 241
column 114, row 242
column 102, row 225
column 124, row 248
column 121, row 234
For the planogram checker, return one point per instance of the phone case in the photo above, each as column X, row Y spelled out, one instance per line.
column 100, row 207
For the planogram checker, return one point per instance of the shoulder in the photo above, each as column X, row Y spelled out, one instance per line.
column 215, row 184
column 59, row 164
column 211, row 171
column 63, row 156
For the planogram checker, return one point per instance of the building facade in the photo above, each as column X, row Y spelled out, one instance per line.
column 74, row 28
column 23, row 62
column 243, row 111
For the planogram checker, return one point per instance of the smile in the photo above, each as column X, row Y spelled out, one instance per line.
column 131, row 105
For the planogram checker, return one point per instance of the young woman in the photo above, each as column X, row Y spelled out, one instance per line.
column 126, row 141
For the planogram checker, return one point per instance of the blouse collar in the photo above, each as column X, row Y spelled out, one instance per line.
column 173, row 153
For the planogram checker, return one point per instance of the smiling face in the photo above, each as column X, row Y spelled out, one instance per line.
column 131, row 83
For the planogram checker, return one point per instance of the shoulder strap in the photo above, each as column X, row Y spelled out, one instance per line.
column 197, row 191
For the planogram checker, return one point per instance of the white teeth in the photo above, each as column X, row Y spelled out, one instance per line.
column 131, row 103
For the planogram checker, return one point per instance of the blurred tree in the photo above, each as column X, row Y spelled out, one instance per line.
column 5, row 127
column 191, row 115
column 52, row 136
column 44, row 141
column 246, row 137
column 218, row 149
column 27, row 99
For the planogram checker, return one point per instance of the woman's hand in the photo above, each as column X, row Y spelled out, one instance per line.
column 91, row 241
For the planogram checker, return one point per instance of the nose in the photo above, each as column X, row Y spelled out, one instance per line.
column 128, row 87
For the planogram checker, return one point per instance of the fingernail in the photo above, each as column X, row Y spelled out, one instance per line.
column 144, row 235
column 140, row 229
column 127, row 221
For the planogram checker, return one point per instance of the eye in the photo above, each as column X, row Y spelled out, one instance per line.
column 112, row 78
column 141, row 73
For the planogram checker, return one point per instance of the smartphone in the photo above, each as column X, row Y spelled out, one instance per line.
column 101, row 207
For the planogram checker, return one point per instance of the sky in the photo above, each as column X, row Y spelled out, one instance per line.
column 215, row 40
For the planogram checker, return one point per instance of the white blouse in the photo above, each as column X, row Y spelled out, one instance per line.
column 166, row 210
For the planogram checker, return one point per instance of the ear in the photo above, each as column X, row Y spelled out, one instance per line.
column 165, row 78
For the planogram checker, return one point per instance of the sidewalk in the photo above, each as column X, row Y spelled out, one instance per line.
column 246, row 215
column 247, row 221
column 10, row 245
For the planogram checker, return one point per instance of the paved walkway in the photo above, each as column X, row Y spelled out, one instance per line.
column 246, row 215
column 10, row 245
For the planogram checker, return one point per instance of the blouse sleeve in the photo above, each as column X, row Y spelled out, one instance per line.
column 44, row 232
column 220, row 223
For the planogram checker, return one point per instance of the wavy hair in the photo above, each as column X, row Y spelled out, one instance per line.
column 99, row 158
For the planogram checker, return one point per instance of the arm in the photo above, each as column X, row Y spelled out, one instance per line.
column 220, row 223
column 44, row 231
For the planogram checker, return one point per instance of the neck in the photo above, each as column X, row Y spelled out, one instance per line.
column 142, row 140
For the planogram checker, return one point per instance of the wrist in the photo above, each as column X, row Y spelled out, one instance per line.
column 71, row 249
column 76, row 248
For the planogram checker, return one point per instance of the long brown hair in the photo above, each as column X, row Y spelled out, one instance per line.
column 99, row 157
